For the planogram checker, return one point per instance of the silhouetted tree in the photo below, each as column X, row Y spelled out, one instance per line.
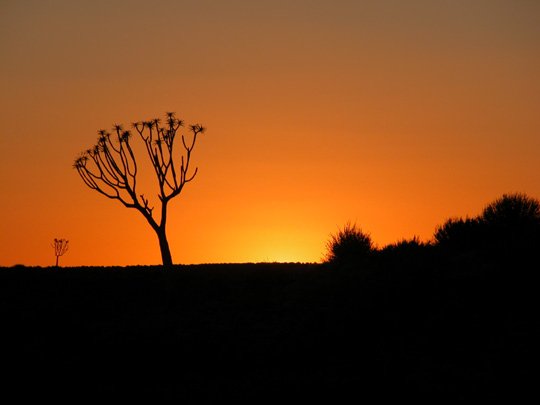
column 349, row 245
column 111, row 168
column 60, row 246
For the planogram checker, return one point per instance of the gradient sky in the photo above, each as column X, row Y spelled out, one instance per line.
column 395, row 115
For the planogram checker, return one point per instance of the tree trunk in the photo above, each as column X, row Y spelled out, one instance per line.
column 164, row 247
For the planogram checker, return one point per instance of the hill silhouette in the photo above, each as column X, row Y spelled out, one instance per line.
column 400, row 328
column 453, row 319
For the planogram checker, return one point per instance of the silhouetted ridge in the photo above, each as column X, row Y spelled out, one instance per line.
column 452, row 319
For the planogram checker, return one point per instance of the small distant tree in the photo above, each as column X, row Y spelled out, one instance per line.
column 60, row 246
column 111, row 168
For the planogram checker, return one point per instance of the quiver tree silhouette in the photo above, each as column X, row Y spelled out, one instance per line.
column 60, row 246
column 111, row 168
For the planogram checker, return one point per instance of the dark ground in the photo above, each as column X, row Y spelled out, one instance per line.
column 395, row 328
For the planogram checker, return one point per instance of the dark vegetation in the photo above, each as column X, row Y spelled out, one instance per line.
column 60, row 246
column 455, row 319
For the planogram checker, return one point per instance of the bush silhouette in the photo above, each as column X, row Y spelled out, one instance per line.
column 349, row 245
column 459, row 233
column 512, row 222
column 512, row 210
column 405, row 247
column 406, row 244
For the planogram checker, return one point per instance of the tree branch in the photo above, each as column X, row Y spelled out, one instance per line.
column 111, row 166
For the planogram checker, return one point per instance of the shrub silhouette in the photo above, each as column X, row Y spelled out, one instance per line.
column 405, row 247
column 512, row 210
column 512, row 221
column 459, row 233
column 508, row 224
column 349, row 245
column 404, row 253
column 406, row 244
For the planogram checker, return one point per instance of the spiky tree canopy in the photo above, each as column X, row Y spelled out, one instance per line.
column 111, row 166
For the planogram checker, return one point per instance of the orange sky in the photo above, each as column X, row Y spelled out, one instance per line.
column 394, row 115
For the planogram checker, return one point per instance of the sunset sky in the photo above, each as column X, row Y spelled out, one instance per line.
column 395, row 115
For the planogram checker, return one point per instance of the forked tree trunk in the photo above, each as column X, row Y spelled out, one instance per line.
column 164, row 247
column 111, row 166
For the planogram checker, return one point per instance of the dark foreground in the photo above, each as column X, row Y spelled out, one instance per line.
column 394, row 329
